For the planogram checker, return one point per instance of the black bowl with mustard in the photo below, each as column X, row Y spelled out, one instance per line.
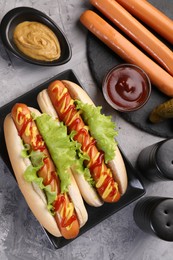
column 34, row 37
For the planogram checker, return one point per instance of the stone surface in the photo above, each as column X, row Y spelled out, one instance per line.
column 117, row 237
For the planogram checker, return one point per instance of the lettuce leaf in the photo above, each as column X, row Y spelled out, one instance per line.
column 61, row 149
column 101, row 127
column 80, row 158
column 30, row 174
column 64, row 150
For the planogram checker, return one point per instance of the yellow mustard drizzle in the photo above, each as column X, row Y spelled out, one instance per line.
column 73, row 118
column 70, row 210
column 93, row 159
column 34, row 139
column 107, row 191
column 59, row 96
column 64, row 105
column 88, row 151
column 28, row 129
column 101, row 180
column 116, row 185
column 20, row 119
column 66, row 211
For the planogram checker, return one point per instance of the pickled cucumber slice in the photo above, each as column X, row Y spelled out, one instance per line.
column 162, row 112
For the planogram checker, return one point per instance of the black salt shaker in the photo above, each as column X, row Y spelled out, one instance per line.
column 156, row 161
column 154, row 215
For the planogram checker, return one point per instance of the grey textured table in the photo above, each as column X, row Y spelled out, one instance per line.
column 117, row 237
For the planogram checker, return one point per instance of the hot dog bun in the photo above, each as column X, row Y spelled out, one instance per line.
column 117, row 165
column 33, row 195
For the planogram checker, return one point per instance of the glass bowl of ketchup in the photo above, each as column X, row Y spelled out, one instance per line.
column 126, row 87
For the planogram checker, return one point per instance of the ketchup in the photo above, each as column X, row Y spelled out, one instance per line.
column 60, row 205
column 126, row 87
column 24, row 125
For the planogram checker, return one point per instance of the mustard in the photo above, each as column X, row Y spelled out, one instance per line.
column 107, row 191
column 37, row 41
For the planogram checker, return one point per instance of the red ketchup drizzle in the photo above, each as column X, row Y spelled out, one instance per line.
column 39, row 143
column 59, row 203
column 61, row 100
column 113, row 192
column 97, row 163
column 53, row 177
column 105, row 183
column 84, row 134
column 75, row 123
column 66, row 223
column 69, row 112
column 108, row 179
column 54, row 90
column 89, row 146
column 24, row 125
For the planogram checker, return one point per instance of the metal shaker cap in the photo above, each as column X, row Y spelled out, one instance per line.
column 162, row 220
column 164, row 158
column 154, row 215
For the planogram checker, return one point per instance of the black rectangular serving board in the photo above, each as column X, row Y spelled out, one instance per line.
column 95, row 215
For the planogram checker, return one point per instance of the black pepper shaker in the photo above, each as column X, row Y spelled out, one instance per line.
column 154, row 215
column 156, row 161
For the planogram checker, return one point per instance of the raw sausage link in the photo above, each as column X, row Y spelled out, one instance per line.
column 151, row 16
column 136, row 31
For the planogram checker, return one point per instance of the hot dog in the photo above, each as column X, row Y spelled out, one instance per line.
column 74, row 107
column 137, row 32
column 59, row 209
column 127, row 51
column 151, row 16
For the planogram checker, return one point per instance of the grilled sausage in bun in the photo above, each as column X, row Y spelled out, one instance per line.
column 41, row 155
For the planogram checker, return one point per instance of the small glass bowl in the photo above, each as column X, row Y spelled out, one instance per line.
column 126, row 87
